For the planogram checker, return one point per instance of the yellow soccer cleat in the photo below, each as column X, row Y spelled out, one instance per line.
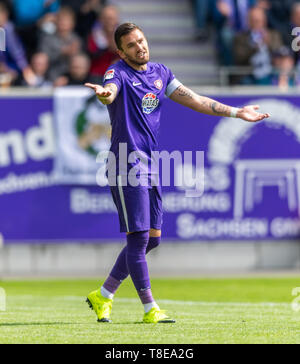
column 101, row 305
column 156, row 316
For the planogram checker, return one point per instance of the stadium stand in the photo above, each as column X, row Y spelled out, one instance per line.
column 201, row 41
column 171, row 30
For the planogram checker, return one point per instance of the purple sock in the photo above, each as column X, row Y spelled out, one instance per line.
column 111, row 284
column 153, row 243
column 136, row 259
column 146, row 296
column 120, row 270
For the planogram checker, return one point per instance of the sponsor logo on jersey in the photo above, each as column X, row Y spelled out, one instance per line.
column 109, row 74
column 149, row 103
column 158, row 84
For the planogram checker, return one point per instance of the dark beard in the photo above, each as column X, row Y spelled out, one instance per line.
column 137, row 63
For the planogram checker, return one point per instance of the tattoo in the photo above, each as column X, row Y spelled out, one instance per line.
column 219, row 108
column 110, row 88
column 182, row 91
column 205, row 102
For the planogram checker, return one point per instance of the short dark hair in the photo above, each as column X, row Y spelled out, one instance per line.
column 4, row 8
column 124, row 29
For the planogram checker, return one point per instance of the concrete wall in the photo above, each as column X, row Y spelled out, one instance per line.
column 170, row 259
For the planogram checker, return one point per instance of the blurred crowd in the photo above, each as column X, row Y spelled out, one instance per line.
column 57, row 42
column 254, row 38
column 69, row 42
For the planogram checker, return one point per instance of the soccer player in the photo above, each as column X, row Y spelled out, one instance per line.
column 134, row 90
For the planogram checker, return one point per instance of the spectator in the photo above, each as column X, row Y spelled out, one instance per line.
column 86, row 14
column 31, row 11
column 32, row 15
column 255, row 47
column 284, row 63
column 233, row 18
column 62, row 45
column 204, row 10
column 13, row 61
column 78, row 73
column 279, row 13
column 40, row 66
column 101, row 43
column 235, row 13
column 8, row 4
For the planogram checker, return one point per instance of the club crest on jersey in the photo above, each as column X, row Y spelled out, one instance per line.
column 149, row 103
column 158, row 84
column 109, row 74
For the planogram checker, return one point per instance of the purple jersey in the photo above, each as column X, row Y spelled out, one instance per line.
column 135, row 113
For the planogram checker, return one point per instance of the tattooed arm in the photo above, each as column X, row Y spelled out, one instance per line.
column 205, row 105
column 105, row 94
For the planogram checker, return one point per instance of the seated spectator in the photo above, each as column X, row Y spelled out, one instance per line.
column 32, row 15
column 233, row 18
column 283, row 75
column 61, row 45
column 9, row 6
column 86, row 14
column 40, row 65
column 78, row 74
column 255, row 47
column 235, row 12
column 13, row 61
column 101, row 43
column 279, row 13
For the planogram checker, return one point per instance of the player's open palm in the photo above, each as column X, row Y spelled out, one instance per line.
column 100, row 91
column 249, row 113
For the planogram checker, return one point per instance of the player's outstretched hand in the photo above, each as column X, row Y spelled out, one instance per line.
column 100, row 91
column 249, row 113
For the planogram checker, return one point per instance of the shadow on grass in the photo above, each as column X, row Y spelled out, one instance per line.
column 114, row 323
column 142, row 323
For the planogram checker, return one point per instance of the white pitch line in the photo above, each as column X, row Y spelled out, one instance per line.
column 206, row 303
column 163, row 301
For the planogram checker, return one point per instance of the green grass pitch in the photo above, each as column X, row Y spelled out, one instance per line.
column 210, row 310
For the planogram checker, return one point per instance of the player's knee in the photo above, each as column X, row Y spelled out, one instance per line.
column 137, row 232
column 154, row 233
column 154, row 241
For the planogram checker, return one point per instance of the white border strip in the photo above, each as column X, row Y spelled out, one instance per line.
column 119, row 181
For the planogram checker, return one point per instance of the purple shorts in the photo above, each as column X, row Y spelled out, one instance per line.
column 139, row 208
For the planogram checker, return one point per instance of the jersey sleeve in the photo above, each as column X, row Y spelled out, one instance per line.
column 112, row 75
column 171, row 82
